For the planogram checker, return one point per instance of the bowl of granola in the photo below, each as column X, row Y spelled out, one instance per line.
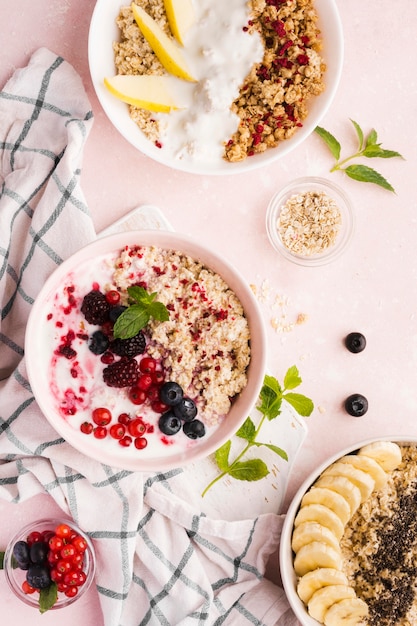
column 310, row 221
column 146, row 350
column 254, row 79
column 348, row 542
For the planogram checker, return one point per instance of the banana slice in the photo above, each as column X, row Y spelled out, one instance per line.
column 329, row 498
column 368, row 465
column 349, row 612
column 316, row 554
column 322, row 599
column 364, row 481
column 313, row 531
column 345, row 487
column 323, row 515
column 318, row 578
column 386, row 453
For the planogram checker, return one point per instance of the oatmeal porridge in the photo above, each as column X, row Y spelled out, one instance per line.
column 256, row 64
column 109, row 386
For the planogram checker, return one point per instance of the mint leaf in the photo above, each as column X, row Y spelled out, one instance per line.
column 330, row 141
column 303, row 405
column 222, row 456
column 271, row 398
column 48, row 597
column 366, row 174
column 376, row 151
column 251, row 470
column 137, row 315
column 247, row 430
column 359, row 132
column 275, row 449
column 372, row 138
column 292, row 378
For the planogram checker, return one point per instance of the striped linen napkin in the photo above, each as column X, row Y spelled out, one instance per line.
column 163, row 559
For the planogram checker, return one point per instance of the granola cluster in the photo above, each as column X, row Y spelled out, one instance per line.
column 272, row 102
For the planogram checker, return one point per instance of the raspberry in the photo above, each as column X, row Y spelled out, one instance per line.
column 95, row 307
column 123, row 373
column 129, row 347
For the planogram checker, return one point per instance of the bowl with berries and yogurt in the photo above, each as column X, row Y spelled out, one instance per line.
column 145, row 350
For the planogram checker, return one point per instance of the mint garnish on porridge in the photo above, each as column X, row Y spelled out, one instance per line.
column 137, row 315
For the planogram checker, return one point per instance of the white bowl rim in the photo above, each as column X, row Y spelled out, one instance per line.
column 103, row 28
column 288, row 575
column 256, row 369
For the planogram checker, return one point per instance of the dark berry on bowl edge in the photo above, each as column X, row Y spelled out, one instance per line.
column 356, row 405
column 194, row 429
column 98, row 342
column 95, row 307
column 123, row 373
column 355, row 342
column 116, row 311
column 171, row 393
column 169, row 424
column 39, row 552
column 186, row 409
column 38, row 576
column 21, row 553
column 129, row 347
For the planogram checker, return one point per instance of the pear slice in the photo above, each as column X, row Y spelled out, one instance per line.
column 167, row 51
column 154, row 93
column 181, row 17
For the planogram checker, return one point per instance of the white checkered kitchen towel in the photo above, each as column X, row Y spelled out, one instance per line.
column 161, row 560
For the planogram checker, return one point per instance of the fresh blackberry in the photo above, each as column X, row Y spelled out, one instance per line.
column 129, row 347
column 123, row 373
column 95, row 307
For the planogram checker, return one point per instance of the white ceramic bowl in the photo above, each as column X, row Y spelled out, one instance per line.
column 103, row 31
column 38, row 355
column 315, row 185
column 286, row 556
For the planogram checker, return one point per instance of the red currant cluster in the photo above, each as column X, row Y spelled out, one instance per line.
column 126, row 429
column 49, row 557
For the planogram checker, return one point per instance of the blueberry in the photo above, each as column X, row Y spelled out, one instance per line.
column 194, row 429
column 21, row 553
column 170, row 393
column 186, row 409
column 98, row 342
column 169, row 424
column 116, row 311
column 356, row 405
column 355, row 342
column 39, row 552
column 38, row 576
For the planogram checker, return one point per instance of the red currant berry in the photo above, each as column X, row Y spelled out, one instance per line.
column 159, row 407
column 113, row 297
column 71, row 578
column 101, row 416
column 86, row 428
column 61, row 586
column 153, row 393
column 136, row 427
column 82, row 577
column 63, row 566
column 124, row 418
column 136, row 395
column 53, row 557
column 147, row 365
column 56, row 575
column 34, row 537
column 107, row 358
column 100, row 432
column 158, row 377
column 47, row 535
column 117, row 431
column 141, row 443
column 125, row 441
column 56, row 544
column 79, row 543
column 67, row 552
column 71, row 592
column 78, row 559
column 144, row 382
column 63, row 530
column 26, row 588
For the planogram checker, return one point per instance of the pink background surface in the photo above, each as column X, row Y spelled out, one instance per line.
column 372, row 288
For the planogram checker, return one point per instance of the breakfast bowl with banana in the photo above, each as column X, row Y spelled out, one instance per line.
column 349, row 541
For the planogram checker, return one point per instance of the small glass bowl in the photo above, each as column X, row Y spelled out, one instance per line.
column 301, row 186
column 16, row 576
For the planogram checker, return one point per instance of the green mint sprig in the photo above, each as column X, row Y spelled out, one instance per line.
column 143, row 307
column 271, row 396
column 367, row 147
